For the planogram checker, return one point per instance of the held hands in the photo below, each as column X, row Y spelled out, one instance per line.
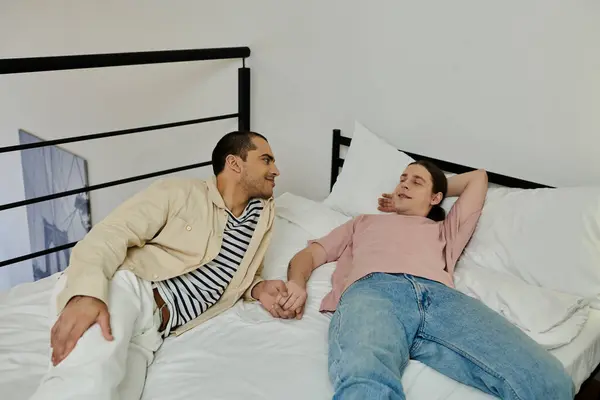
column 386, row 203
column 80, row 313
column 296, row 298
column 281, row 300
column 269, row 293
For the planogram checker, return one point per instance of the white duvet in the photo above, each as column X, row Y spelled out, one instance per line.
column 244, row 353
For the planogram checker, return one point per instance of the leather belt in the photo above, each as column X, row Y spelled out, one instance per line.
column 165, row 314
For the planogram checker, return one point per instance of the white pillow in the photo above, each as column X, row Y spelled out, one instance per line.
column 551, row 318
column 547, row 237
column 371, row 167
column 315, row 218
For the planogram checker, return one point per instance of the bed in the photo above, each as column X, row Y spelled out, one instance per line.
column 243, row 353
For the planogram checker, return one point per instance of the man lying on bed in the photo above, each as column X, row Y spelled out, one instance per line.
column 172, row 256
column 394, row 300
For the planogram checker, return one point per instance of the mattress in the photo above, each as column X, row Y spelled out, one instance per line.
column 243, row 353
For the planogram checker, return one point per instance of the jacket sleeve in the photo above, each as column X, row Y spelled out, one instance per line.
column 96, row 258
column 257, row 279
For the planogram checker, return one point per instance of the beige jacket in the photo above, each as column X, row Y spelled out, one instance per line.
column 169, row 229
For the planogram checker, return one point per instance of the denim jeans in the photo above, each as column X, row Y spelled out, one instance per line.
column 383, row 320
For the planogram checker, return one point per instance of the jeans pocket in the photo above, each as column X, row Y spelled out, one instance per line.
column 364, row 278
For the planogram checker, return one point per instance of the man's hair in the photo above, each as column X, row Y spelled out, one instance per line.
column 234, row 143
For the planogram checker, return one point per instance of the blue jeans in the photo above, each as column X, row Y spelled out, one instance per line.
column 383, row 320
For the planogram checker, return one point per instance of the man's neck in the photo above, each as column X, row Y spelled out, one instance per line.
column 235, row 198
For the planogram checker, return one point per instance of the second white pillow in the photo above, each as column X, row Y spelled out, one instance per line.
column 371, row 167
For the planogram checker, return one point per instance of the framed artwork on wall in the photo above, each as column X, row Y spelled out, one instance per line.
column 49, row 170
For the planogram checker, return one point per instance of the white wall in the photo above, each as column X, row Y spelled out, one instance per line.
column 511, row 86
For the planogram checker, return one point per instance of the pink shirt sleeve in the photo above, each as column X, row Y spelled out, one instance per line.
column 460, row 223
column 336, row 241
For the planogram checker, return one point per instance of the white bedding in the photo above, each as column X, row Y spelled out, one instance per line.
column 549, row 317
column 243, row 353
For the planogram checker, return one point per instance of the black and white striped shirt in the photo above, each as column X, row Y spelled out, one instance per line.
column 189, row 295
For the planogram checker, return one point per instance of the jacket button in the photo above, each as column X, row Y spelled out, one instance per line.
column 188, row 228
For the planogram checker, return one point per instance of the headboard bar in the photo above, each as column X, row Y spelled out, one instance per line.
column 337, row 162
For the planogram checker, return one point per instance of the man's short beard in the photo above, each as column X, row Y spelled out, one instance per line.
column 252, row 188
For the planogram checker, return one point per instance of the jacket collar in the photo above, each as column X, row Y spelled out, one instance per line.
column 215, row 195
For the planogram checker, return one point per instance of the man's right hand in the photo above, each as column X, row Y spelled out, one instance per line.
column 80, row 313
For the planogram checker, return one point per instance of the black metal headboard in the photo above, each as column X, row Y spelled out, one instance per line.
column 337, row 162
column 85, row 61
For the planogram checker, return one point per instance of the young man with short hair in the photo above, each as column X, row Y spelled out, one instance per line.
column 169, row 258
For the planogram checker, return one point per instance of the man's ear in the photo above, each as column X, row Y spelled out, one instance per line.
column 234, row 163
column 437, row 199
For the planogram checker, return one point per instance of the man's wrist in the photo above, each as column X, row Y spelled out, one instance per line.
column 76, row 299
column 255, row 293
column 298, row 281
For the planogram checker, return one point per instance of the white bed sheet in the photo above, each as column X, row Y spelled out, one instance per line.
column 243, row 353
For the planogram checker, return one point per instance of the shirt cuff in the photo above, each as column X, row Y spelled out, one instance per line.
column 248, row 292
column 90, row 285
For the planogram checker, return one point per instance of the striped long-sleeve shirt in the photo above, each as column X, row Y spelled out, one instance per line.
column 189, row 295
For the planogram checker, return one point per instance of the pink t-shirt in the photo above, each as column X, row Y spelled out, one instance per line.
column 396, row 243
